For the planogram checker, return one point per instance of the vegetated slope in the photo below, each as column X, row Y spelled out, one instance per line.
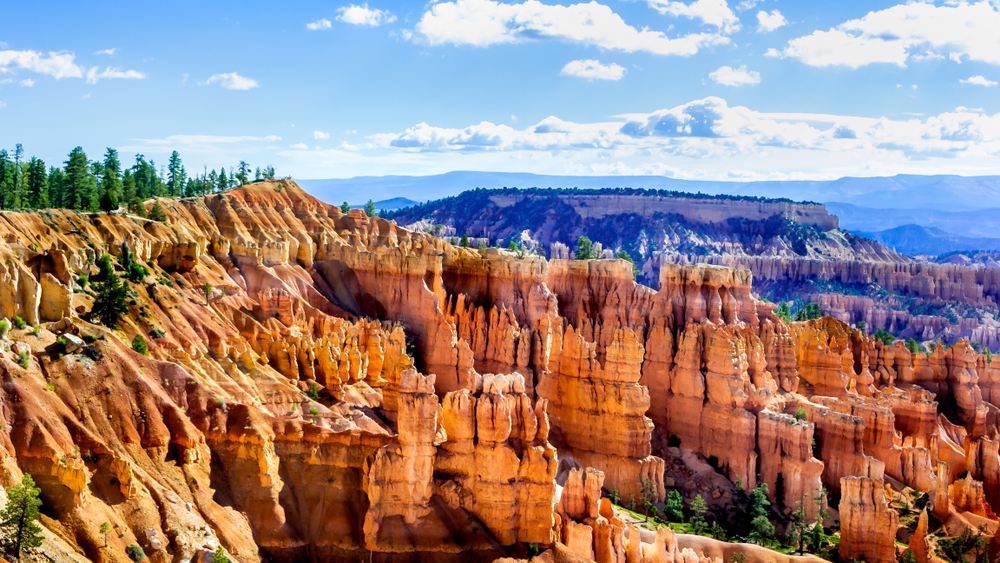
column 929, row 241
column 794, row 250
column 280, row 412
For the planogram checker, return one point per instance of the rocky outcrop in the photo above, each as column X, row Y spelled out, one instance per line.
column 867, row 524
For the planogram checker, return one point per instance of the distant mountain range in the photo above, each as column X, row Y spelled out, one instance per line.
column 915, row 239
column 942, row 193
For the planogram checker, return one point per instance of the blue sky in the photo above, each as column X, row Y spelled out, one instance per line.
column 704, row 89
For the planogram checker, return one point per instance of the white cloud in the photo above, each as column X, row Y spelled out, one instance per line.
column 710, row 128
column 770, row 21
column 57, row 65
column 915, row 30
column 728, row 76
column 481, row 23
column 28, row 83
column 747, row 5
column 231, row 81
column 321, row 23
column 300, row 146
column 979, row 81
column 363, row 15
column 107, row 51
column 320, row 135
column 2, row 105
column 93, row 76
column 592, row 69
column 711, row 12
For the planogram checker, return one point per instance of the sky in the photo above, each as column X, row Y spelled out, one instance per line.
column 704, row 89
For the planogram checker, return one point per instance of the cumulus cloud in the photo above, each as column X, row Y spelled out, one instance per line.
column 593, row 69
column 770, row 21
column 729, row 76
column 93, row 75
column 481, row 23
column 363, row 15
column 978, row 80
column 710, row 12
column 895, row 35
column 28, row 83
column 107, row 51
column 321, row 23
column 320, row 135
column 710, row 128
column 57, row 65
column 231, row 81
column 300, row 146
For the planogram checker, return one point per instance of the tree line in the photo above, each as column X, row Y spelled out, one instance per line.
column 103, row 184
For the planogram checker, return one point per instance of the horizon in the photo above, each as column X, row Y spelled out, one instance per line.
column 704, row 90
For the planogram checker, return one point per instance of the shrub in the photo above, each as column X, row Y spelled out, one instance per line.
column 4, row 327
column 313, row 392
column 313, row 411
column 136, row 272
column 19, row 323
column 139, row 345
column 135, row 552
column 157, row 333
column 24, row 360
column 800, row 414
column 83, row 281
column 36, row 331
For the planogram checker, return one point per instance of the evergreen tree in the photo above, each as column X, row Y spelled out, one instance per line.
column 176, row 175
column 256, row 174
column 223, row 181
column 219, row 556
column 139, row 345
column 109, row 306
column 464, row 243
column 243, row 173
column 18, row 529
column 584, row 249
column 370, row 209
column 76, row 191
column 38, row 185
column 674, row 508
column 111, row 181
column 157, row 213
column 6, row 177
column 698, row 509
column 10, row 197
column 345, row 208
column 57, row 182
column 105, row 530
column 213, row 180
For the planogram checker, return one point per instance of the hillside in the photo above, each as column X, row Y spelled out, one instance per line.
column 331, row 387
column 794, row 250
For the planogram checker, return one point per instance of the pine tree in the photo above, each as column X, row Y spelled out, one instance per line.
column 175, row 175
column 38, row 185
column 223, row 181
column 105, row 530
column 139, row 345
column 109, row 306
column 57, row 182
column 584, row 249
column 464, row 243
column 6, row 177
column 220, row 556
column 76, row 194
column 18, row 529
column 370, row 209
column 157, row 213
column 698, row 509
column 674, row 508
column 243, row 174
column 345, row 208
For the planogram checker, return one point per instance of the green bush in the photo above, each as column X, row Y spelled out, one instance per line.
column 801, row 414
column 139, row 345
column 313, row 411
column 157, row 333
column 135, row 552
column 19, row 323
column 83, row 281
column 4, row 327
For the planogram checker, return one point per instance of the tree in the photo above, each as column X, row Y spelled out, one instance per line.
column 157, row 213
column 79, row 181
column 761, row 528
column 648, row 494
column 584, row 249
column 884, row 336
column 801, row 414
column 370, row 209
column 38, row 185
column 208, row 290
column 464, row 243
column 220, row 556
column 139, row 345
column 674, row 508
column 112, row 189
column 624, row 255
column 345, row 208
column 809, row 312
column 783, row 312
column 698, row 509
column 862, row 326
column 18, row 529
column 243, row 173
column 176, row 175
column 109, row 306
column 105, row 530
column 223, row 182
column 135, row 553
column 512, row 246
